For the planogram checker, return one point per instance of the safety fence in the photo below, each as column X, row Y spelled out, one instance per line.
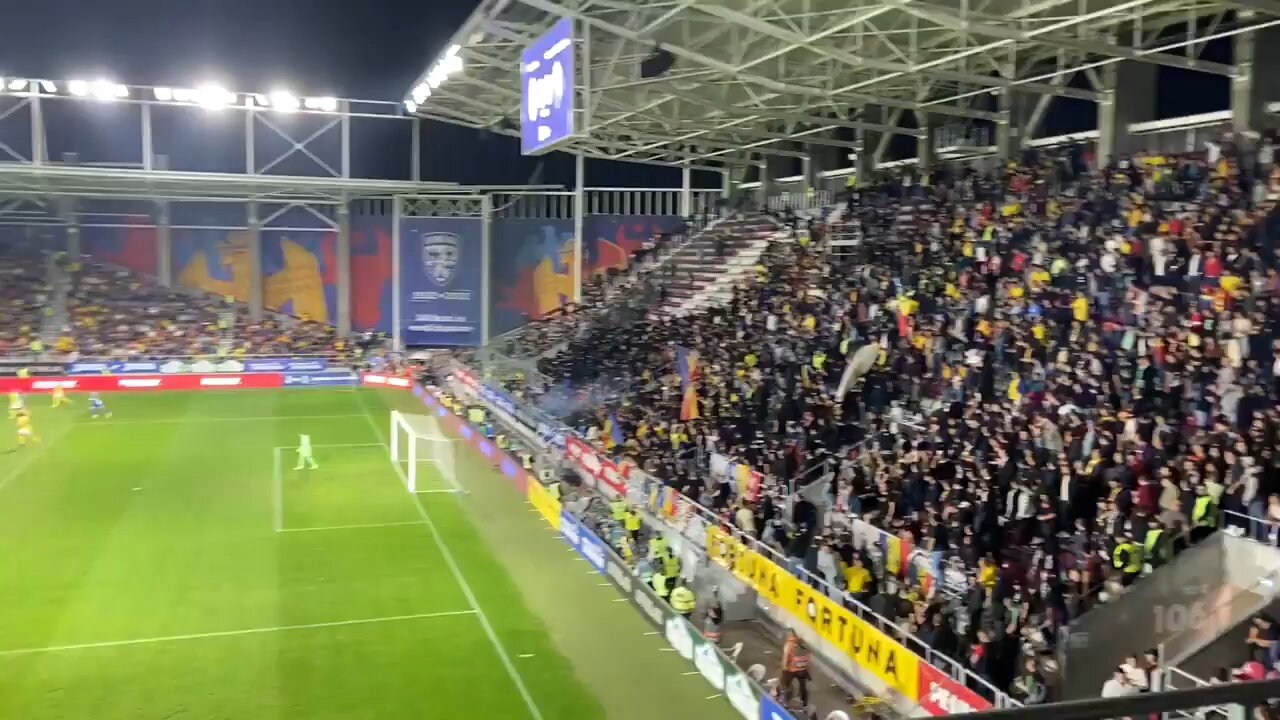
column 742, row 691
column 903, row 662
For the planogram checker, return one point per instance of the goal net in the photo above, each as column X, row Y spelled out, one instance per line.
column 422, row 454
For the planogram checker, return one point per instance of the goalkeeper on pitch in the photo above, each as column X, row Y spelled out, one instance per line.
column 304, row 454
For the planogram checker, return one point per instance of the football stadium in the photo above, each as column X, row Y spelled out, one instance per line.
column 783, row 360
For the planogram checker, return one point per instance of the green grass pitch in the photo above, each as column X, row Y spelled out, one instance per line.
column 168, row 563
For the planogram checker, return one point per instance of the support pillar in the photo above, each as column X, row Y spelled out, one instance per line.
column 397, row 339
column 73, row 237
column 343, row 261
column 765, row 190
column 925, row 144
column 579, row 221
column 1129, row 96
column 164, row 245
column 1008, row 134
column 807, row 172
column 686, row 191
column 255, row 263
column 868, row 140
column 486, row 262
column 1253, row 86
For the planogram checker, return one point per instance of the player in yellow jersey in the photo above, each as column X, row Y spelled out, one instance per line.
column 59, row 396
column 16, row 404
column 25, row 432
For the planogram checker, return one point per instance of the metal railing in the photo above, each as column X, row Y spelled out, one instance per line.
column 1256, row 528
column 706, row 517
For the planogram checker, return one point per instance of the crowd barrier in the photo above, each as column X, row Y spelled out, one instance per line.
column 12, row 366
column 746, row 697
column 857, row 637
column 113, row 383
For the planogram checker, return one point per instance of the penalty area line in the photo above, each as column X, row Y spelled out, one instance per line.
column 360, row 526
column 203, row 420
column 231, row 633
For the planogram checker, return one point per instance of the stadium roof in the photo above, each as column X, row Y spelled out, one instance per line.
column 755, row 74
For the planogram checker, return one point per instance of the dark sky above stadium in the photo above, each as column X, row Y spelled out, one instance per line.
column 371, row 49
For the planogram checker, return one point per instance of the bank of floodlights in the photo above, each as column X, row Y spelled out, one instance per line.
column 104, row 90
column 448, row 64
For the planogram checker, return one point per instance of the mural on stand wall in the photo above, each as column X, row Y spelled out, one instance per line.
column 611, row 239
column 133, row 248
column 530, row 270
column 532, row 260
column 215, row 260
column 300, row 273
column 371, row 272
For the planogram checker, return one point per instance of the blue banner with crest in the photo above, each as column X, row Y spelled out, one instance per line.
column 441, row 272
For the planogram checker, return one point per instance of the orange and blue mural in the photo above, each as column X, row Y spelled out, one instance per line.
column 132, row 248
column 300, row 273
column 215, row 260
column 531, row 270
column 611, row 239
column 371, row 272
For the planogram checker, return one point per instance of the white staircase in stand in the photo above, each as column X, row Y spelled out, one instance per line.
column 701, row 279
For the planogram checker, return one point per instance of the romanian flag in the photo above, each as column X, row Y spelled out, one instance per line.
column 612, row 432
column 687, row 365
column 892, row 549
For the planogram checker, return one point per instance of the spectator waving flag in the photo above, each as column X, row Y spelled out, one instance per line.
column 687, row 365
column 612, row 432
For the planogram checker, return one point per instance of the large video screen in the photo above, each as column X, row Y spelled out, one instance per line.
column 547, row 100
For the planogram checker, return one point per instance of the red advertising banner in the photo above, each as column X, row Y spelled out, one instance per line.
column 940, row 695
column 111, row 383
column 386, row 380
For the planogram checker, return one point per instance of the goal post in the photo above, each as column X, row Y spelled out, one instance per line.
column 422, row 454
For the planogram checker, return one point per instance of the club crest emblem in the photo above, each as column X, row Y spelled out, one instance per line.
column 440, row 255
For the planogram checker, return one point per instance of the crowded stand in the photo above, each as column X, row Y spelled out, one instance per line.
column 1055, row 376
column 24, row 290
column 111, row 312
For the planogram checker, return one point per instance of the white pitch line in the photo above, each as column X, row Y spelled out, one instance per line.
column 691, row 672
column 230, row 633
column 203, row 420
column 442, row 490
column 449, row 560
column 713, row 697
column 360, row 526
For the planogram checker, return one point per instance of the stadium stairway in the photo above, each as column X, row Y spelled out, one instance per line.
column 56, row 314
column 1183, row 608
column 702, row 279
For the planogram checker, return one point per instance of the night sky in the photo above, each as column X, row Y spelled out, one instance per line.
column 372, row 49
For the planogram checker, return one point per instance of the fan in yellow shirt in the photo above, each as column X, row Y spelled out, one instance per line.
column 25, row 432
column 1080, row 308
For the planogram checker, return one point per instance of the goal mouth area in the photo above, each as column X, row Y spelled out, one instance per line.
column 422, row 454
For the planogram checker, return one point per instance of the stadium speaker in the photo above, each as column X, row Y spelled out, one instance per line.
column 657, row 64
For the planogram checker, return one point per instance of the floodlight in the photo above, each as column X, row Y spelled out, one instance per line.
column 107, row 90
column 163, row 94
column 214, row 97
column 284, row 101
column 48, row 86
column 324, row 104
column 184, row 95
column 79, row 88
column 411, row 106
column 17, row 84
column 421, row 93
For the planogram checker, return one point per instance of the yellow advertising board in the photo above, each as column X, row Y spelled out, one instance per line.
column 864, row 643
column 546, row 505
